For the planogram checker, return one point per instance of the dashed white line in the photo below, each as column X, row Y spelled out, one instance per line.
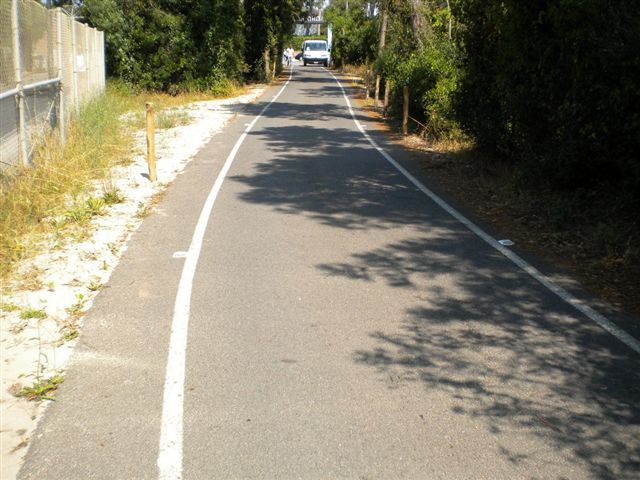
column 579, row 305
column 171, row 430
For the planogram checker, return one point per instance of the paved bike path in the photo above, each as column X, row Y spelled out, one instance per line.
column 342, row 326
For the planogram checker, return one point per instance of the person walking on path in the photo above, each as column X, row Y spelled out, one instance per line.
column 288, row 53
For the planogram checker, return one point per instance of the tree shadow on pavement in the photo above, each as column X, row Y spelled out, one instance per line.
column 511, row 357
column 288, row 111
column 308, row 175
column 509, row 354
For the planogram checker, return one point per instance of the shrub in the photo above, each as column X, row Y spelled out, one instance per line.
column 432, row 76
column 555, row 86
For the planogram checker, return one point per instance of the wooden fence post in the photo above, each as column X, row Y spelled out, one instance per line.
column 151, row 143
column 366, row 83
column 387, row 88
column 405, row 109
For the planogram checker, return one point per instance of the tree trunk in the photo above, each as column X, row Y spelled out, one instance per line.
column 383, row 27
column 420, row 28
column 266, row 60
column 450, row 18
column 274, row 64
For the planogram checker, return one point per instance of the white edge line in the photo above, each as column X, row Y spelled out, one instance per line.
column 579, row 305
column 171, row 431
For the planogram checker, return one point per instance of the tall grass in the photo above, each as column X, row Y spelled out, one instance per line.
column 63, row 175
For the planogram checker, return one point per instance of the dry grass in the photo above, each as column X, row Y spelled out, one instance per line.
column 61, row 173
column 418, row 142
column 64, row 176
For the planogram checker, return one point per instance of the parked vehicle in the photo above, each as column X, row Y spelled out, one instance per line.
column 316, row 51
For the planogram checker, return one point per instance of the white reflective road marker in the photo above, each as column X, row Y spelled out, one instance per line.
column 179, row 254
column 171, row 429
column 579, row 305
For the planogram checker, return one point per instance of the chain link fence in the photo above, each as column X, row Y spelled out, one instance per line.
column 49, row 65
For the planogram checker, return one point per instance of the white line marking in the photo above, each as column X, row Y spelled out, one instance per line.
column 579, row 305
column 179, row 255
column 171, row 431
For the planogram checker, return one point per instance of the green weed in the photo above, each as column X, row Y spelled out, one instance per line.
column 69, row 332
column 40, row 390
column 95, row 206
column 33, row 313
column 112, row 197
column 9, row 307
column 77, row 308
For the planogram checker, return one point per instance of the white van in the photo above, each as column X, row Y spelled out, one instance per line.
column 316, row 51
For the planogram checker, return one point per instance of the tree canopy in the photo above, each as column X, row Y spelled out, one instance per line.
column 173, row 44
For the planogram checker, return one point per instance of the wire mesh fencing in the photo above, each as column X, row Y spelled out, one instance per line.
column 49, row 65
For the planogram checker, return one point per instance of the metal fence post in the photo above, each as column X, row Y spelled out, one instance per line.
column 87, row 58
column 74, row 62
column 103, row 60
column 17, row 65
column 94, row 60
column 61, row 117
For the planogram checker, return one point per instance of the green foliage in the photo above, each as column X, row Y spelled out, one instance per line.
column 355, row 32
column 551, row 86
column 555, row 86
column 298, row 40
column 429, row 67
column 165, row 44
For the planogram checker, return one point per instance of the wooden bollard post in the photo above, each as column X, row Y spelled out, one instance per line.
column 376, row 99
column 151, row 142
column 405, row 109
column 387, row 88
column 366, row 82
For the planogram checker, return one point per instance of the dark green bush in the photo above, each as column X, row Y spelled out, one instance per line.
column 555, row 86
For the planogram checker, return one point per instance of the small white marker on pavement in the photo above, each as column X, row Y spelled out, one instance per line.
column 506, row 243
column 179, row 254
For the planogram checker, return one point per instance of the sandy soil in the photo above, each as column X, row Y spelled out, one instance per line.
column 64, row 281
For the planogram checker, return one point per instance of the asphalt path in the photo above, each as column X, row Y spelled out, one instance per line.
column 341, row 324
